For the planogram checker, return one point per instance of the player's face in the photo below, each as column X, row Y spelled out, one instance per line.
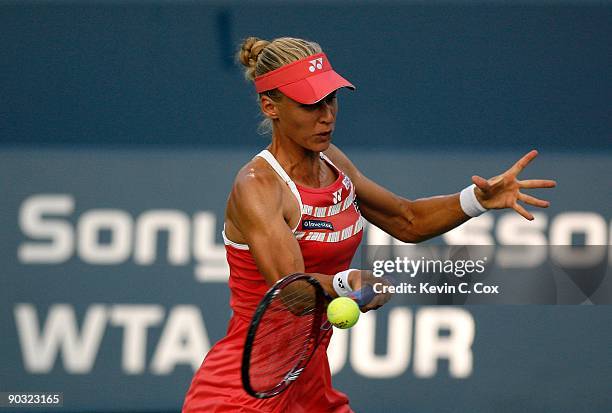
column 310, row 126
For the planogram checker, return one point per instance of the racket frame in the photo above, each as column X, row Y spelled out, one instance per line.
column 321, row 299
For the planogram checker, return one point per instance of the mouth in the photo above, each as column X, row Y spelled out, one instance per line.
column 326, row 134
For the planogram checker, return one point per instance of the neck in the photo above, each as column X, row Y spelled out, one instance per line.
column 302, row 165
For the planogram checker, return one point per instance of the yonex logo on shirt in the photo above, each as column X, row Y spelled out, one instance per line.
column 316, row 64
column 337, row 195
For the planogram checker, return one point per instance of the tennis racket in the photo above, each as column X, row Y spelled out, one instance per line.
column 287, row 327
column 285, row 331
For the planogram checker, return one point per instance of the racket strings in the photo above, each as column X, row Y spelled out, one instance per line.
column 265, row 336
column 281, row 309
column 277, row 368
column 281, row 370
column 285, row 337
column 270, row 377
column 259, row 356
column 263, row 332
column 288, row 300
column 288, row 307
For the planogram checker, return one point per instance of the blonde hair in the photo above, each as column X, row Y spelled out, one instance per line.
column 260, row 56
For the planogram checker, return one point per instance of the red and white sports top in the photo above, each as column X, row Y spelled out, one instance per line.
column 329, row 232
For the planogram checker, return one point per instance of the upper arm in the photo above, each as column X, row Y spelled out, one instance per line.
column 255, row 209
column 378, row 205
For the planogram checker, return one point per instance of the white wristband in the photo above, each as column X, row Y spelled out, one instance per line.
column 469, row 202
column 341, row 283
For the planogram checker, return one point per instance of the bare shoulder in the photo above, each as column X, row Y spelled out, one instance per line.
column 257, row 181
column 257, row 202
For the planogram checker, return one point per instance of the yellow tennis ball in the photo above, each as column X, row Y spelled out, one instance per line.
column 343, row 312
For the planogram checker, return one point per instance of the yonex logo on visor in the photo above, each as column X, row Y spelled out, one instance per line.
column 306, row 81
column 316, row 64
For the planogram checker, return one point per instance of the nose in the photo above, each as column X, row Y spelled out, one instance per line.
column 328, row 112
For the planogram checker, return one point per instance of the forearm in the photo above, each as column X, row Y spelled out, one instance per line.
column 326, row 281
column 418, row 220
column 436, row 215
column 415, row 221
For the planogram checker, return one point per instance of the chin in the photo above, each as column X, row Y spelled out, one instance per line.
column 321, row 144
column 321, row 147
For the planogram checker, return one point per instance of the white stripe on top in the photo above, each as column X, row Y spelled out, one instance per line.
column 281, row 172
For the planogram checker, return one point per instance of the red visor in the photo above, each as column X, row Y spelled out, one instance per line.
column 306, row 81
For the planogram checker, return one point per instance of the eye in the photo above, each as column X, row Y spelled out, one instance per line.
column 310, row 107
column 329, row 99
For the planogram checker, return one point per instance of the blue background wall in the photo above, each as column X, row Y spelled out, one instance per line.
column 475, row 75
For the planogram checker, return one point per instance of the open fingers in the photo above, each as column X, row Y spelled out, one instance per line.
column 523, row 162
column 532, row 200
column 537, row 183
column 519, row 208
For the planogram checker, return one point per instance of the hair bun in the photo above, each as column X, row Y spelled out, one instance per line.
column 248, row 53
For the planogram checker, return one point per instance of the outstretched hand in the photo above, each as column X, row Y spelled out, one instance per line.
column 504, row 191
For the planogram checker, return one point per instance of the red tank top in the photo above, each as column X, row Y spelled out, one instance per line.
column 329, row 232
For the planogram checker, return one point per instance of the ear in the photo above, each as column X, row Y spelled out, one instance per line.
column 269, row 107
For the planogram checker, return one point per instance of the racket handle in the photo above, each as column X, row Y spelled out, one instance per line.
column 366, row 294
column 363, row 296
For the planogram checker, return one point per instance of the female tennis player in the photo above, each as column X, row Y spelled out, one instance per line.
column 299, row 207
